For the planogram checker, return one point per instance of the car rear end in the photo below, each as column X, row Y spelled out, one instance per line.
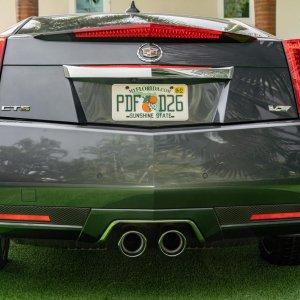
column 148, row 129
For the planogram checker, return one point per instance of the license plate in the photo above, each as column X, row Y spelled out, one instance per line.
column 150, row 102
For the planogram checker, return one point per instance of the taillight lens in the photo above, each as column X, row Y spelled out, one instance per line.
column 32, row 218
column 292, row 50
column 2, row 48
column 275, row 216
column 150, row 30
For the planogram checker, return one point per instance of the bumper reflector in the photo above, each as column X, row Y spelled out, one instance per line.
column 32, row 218
column 275, row 216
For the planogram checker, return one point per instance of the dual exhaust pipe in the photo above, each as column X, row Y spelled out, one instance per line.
column 134, row 243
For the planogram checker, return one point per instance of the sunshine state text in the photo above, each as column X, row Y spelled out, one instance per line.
column 157, row 115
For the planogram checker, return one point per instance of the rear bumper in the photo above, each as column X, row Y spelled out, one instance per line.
column 210, row 178
column 97, row 225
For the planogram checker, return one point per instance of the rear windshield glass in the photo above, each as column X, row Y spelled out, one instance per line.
column 52, row 24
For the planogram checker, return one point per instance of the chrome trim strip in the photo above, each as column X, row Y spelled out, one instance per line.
column 76, row 72
column 40, row 226
column 150, row 131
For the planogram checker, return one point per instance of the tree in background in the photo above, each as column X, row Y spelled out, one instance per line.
column 265, row 15
column 27, row 8
column 236, row 9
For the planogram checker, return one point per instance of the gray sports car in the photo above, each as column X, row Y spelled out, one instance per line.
column 135, row 130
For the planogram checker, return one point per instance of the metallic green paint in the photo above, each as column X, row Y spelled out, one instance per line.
column 112, row 205
column 237, row 153
column 149, row 197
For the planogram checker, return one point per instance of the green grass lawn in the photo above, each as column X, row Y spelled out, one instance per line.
column 223, row 273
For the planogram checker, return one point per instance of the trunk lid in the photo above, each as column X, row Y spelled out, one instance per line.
column 115, row 81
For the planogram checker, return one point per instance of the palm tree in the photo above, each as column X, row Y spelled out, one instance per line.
column 27, row 8
column 265, row 15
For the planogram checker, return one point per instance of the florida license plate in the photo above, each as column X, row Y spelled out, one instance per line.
column 150, row 102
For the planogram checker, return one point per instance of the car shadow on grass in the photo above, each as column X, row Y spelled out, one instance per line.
column 221, row 273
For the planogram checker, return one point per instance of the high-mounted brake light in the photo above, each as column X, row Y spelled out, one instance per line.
column 275, row 216
column 150, row 30
column 2, row 48
column 145, row 31
column 292, row 50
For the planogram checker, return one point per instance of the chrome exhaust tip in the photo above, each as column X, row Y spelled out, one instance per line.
column 172, row 243
column 132, row 243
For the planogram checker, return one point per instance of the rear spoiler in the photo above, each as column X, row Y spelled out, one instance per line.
column 145, row 31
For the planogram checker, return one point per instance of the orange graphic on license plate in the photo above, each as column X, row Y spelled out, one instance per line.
column 148, row 103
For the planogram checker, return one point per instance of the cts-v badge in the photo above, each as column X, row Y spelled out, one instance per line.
column 279, row 108
column 15, row 108
column 150, row 53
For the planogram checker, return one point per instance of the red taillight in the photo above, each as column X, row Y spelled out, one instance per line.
column 2, row 48
column 292, row 50
column 274, row 216
column 149, row 31
column 32, row 218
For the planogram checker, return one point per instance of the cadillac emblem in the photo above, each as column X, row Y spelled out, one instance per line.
column 150, row 53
